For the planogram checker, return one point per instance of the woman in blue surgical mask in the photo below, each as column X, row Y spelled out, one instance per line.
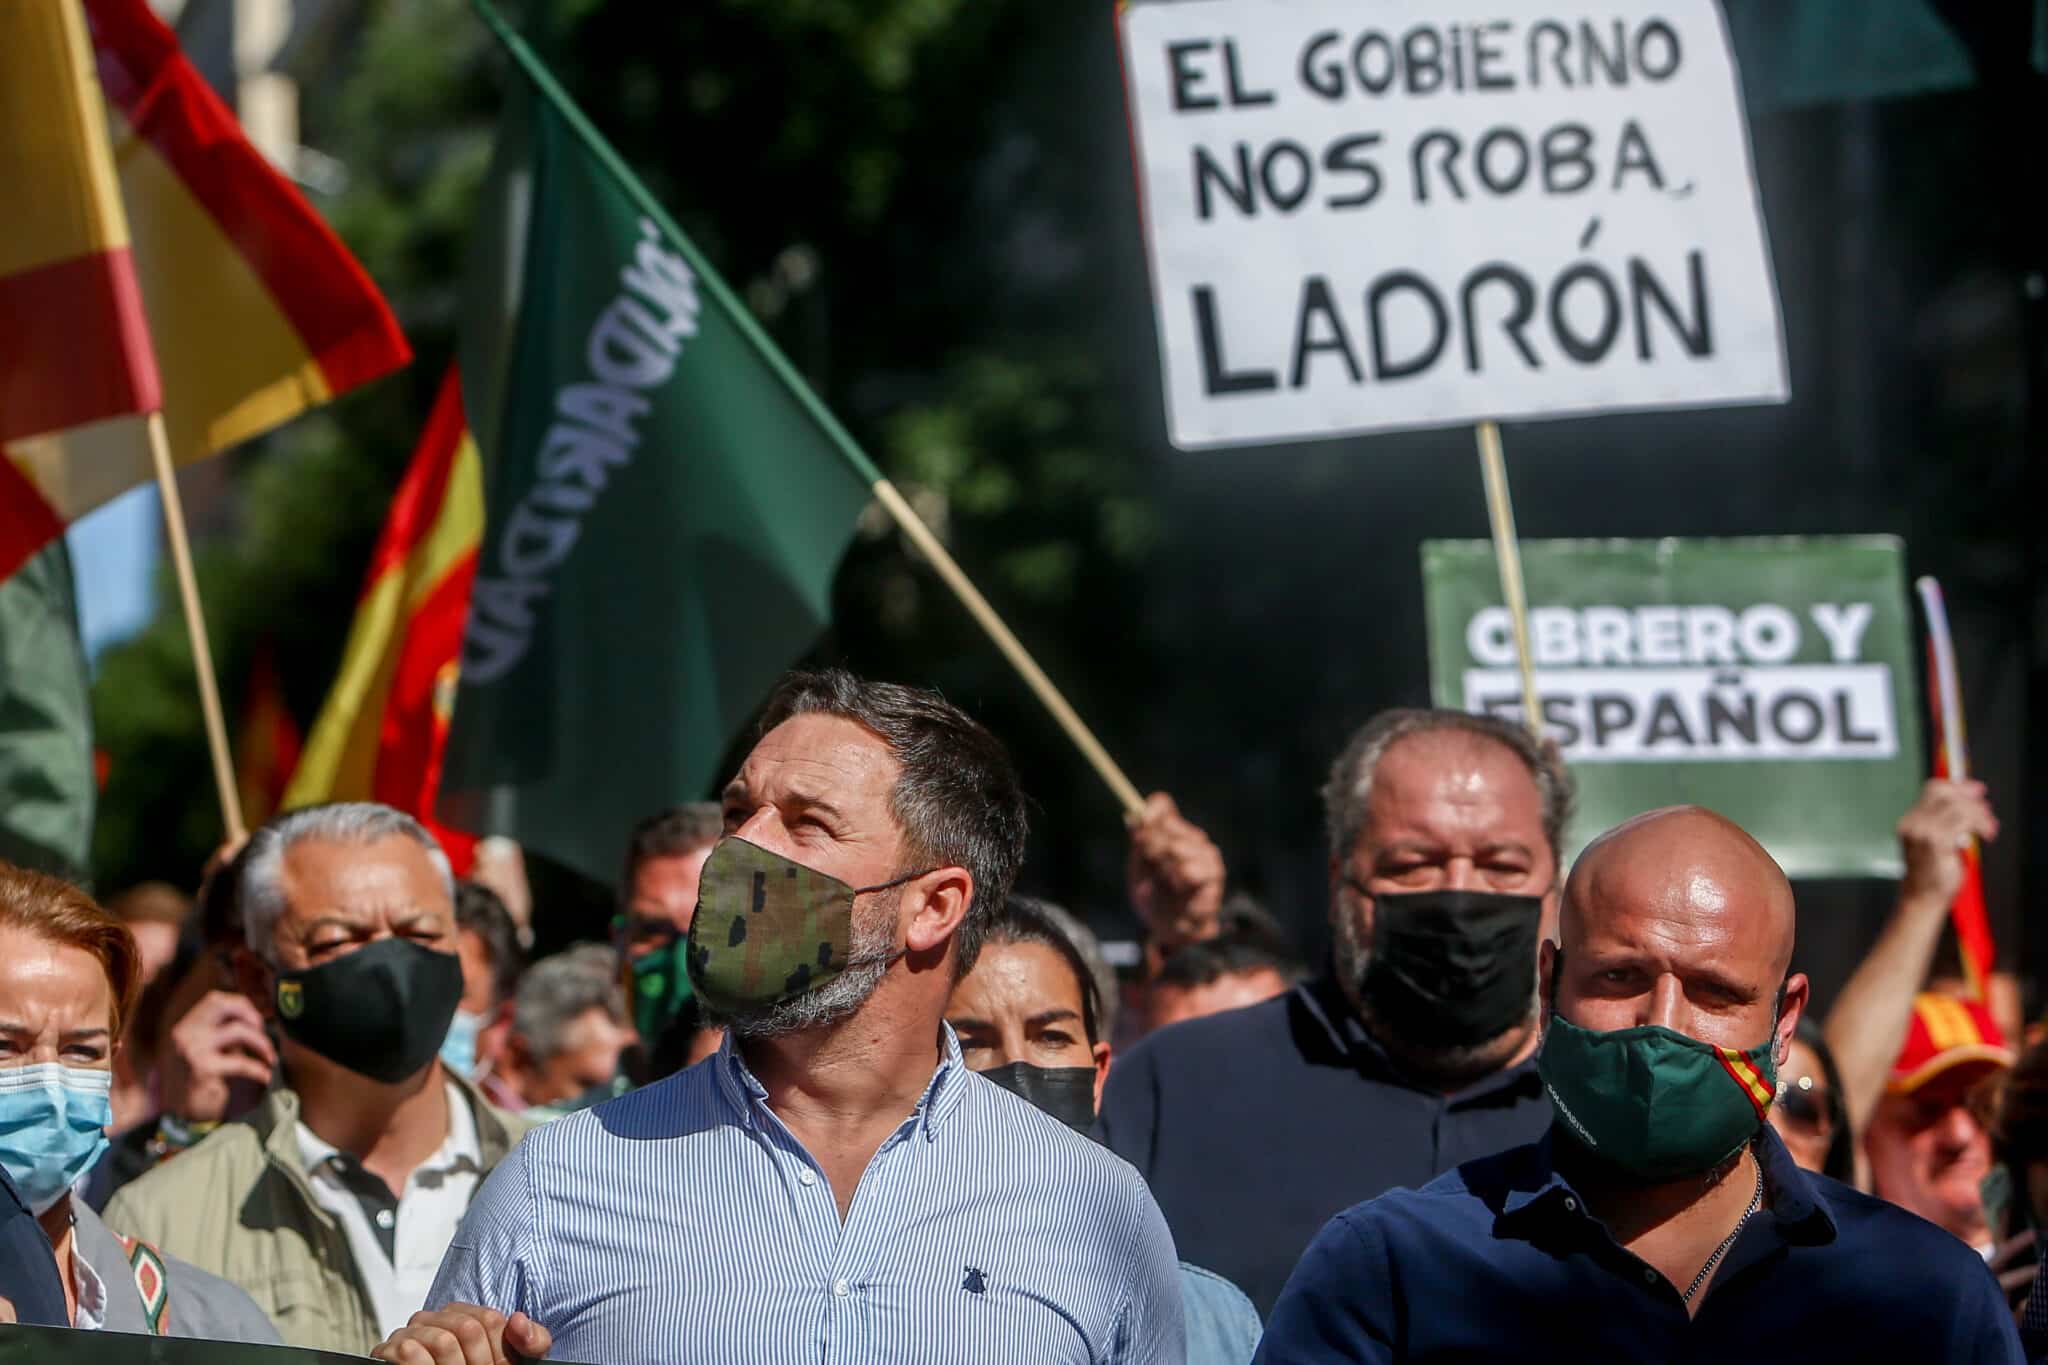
column 69, row 973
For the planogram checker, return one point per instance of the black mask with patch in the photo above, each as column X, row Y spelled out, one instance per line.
column 381, row 1010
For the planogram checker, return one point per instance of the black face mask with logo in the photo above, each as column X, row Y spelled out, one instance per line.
column 1067, row 1093
column 1452, row 968
column 381, row 1011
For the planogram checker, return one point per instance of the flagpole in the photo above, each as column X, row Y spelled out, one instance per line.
column 195, row 627
column 885, row 492
column 977, row 606
column 1507, row 554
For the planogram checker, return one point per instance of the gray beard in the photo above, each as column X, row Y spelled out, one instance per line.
column 869, row 957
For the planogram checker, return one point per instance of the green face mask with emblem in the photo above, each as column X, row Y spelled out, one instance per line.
column 768, row 929
column 661, row 989
column 1652, row 1101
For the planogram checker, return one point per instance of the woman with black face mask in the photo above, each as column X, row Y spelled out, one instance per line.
column 1030, row 1018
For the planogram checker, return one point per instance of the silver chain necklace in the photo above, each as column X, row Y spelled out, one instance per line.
column 1756, row 1200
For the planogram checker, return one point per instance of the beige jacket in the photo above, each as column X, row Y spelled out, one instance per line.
column 239, row 1205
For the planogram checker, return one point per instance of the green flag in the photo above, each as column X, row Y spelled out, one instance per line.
column 666, row 502
column 46, row 770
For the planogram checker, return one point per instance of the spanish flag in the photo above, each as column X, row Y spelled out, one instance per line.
column 257, row 310
column 74, row 349
column 381, row 733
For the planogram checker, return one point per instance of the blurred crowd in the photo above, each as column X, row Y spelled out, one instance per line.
column 328, row 1100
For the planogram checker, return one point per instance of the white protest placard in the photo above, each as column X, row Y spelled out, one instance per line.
column 1374, row 214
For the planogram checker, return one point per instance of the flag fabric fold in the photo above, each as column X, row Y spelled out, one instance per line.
column 257, row 310
column 382, row 732
column 74, row 348
column 667, row 502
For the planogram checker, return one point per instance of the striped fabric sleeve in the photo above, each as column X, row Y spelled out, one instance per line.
column 1153, row 1328
column 491, row 1261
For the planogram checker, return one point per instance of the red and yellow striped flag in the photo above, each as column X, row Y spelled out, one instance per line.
column 1972, row 919
column 74, row 349
column 382, row 730
column 257, row 309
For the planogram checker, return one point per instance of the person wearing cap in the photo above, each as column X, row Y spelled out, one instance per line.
column 1927, row 1151
column 1661, row 1218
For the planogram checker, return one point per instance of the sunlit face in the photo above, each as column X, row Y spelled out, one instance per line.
column 56, row 1004
column 1168, row 1004
column 1803, row 1115
column 816, row 790
column 340, row 897
column 1022, row 1003
column 1928, row 1154
column 1449, row 811
column 662, row 901
column 589, row 1058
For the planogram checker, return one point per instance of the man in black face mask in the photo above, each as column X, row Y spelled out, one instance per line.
column 1412, row 1052
column 333, row 1201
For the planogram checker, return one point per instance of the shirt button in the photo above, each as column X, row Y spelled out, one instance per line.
column 842, row 1289
column 1649, row 1277
column 1571, row 1205
column 806, row 1177
column 386, row 1218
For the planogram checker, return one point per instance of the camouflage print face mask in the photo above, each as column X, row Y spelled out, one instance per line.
column 767, row 929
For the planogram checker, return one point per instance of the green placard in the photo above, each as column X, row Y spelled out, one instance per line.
column 1769, row 679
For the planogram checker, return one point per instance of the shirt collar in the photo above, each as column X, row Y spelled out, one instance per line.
column 1532, row 1189
column 458, row 1148
column 942, row 1094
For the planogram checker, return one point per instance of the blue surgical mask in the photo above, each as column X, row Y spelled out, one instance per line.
column 53, row 1127
column 458, row 1049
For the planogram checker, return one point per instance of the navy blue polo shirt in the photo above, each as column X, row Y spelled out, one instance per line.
column 1254, row 1128
column 1499, row 1260
column 28, row 1267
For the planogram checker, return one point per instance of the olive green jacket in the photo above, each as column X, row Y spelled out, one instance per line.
column 239, row 1205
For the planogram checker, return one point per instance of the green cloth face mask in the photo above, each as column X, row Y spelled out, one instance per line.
column 1652, row 1101
column 768, row 929
column 661, row 989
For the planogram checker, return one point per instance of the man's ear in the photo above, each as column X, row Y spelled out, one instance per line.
column 1797, row 991
column 936, row 903
column 1547, row 956
column 256, row 979
column 1101, row 1054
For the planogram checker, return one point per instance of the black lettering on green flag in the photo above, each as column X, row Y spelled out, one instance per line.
column 667, row 502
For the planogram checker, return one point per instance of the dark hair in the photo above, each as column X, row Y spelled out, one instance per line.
column 1025, row 919
column 479, row 911
column 670, row 834
column 957, row 801
column 1840, row 1162
column 1347, row 794
column 1248, row 940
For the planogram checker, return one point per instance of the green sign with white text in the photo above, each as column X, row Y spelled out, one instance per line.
column 1769, row 679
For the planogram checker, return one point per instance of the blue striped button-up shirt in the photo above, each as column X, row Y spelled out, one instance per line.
column 684, row 1222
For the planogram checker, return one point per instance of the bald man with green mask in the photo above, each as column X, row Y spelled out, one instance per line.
column 1661, row 1218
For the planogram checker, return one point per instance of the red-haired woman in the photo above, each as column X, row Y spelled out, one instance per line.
column 68, row 979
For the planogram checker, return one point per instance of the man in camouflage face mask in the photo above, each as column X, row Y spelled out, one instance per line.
column 871, row 836
column 779, row 948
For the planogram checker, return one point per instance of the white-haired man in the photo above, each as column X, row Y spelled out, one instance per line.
column 333, row 1201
